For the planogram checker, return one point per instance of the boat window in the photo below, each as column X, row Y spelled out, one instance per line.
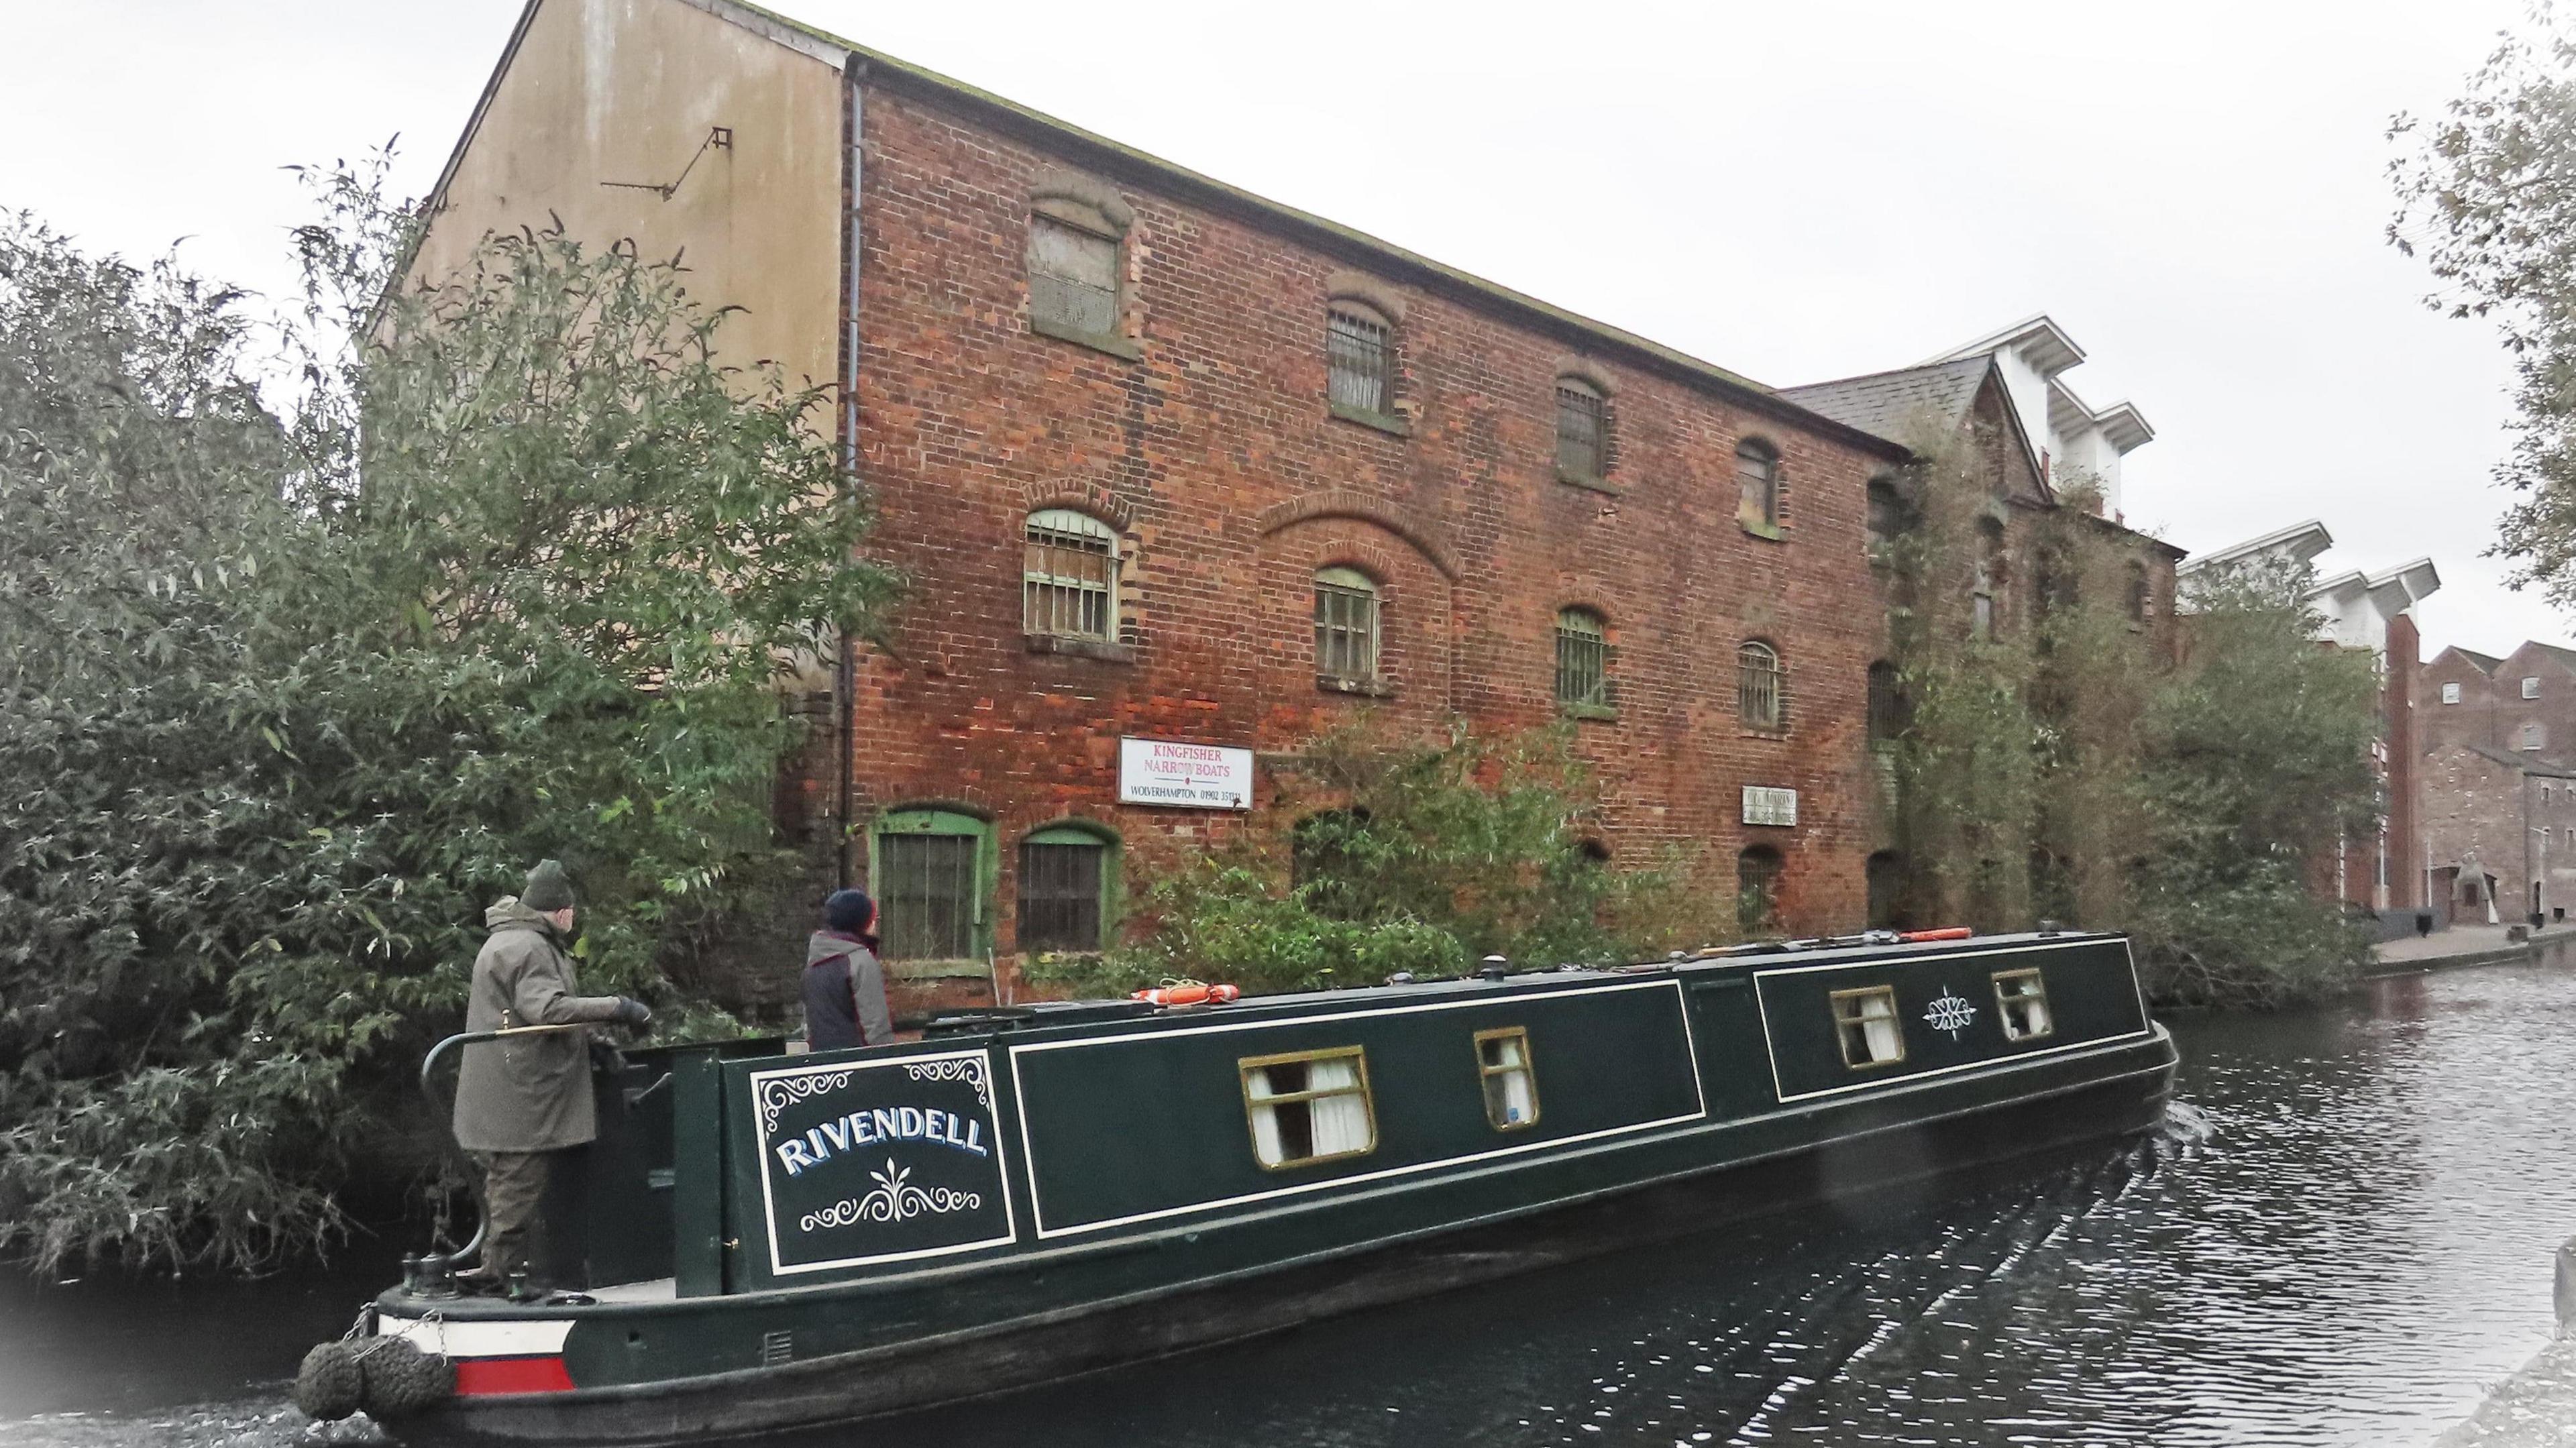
column 2021, row 1003
column 1866, row 1021
column 1511, row 1092
column 1308, row 1107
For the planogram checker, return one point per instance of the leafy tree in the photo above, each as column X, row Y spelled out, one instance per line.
column 2488, row 199
column 286, row 699
column 2257, row 762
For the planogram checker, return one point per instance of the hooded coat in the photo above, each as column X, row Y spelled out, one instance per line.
column 531, row 1093
column 845, row 998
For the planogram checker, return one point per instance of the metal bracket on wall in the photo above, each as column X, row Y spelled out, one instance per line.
column 719, row 138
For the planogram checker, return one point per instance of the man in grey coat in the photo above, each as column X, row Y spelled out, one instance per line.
column 523, row 1104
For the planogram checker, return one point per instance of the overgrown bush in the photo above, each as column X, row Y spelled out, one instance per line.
column 1420, row 856
column 2053, row 766
column 288, row 694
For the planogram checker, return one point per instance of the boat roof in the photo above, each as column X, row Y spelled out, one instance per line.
column 1038, row 1015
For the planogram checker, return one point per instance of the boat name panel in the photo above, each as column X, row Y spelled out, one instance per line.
column 864, row 1162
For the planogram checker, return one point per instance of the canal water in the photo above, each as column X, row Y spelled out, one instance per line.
column 2342, row 1237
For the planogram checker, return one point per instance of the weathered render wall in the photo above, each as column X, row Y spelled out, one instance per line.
column 1215, row 457
column 2514, row 820
column 626, row 90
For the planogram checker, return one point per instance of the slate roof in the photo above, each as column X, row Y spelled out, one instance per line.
column 1882, row 403
column 2526, row 763
column 2486, row 662
column 2562, row 655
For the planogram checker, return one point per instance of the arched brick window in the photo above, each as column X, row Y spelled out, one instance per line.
column 1761, row 687
column 1757, row 889
column 1582, row 430
column 1582, row 659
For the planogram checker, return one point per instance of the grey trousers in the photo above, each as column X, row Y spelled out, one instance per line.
column 516, row 1185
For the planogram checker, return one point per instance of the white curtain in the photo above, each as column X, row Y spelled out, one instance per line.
column 1265, row 1119
column 1518, row 1102
column 1878, row 1019
column 2034, row 1014
column 1341, row 1123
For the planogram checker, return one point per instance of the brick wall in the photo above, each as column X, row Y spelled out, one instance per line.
column 1229, row 483
column 2488, row 813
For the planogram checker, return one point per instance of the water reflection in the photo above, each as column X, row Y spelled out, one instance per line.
column 2341, row 1237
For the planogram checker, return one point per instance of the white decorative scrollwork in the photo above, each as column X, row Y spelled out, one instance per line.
column 895, row 1199
column 1950, row 1013
column 780, row 1092
column 969, row 1069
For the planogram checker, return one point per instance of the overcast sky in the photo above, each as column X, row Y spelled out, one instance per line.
column 2196, row 192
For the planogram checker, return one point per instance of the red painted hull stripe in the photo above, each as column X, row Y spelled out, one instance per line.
column 476, row 1377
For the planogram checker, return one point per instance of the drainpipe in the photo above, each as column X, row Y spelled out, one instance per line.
column 845, row 666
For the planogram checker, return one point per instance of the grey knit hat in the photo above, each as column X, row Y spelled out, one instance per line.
column 549, row 889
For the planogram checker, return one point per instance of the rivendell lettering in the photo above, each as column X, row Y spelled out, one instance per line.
column 861, row 1129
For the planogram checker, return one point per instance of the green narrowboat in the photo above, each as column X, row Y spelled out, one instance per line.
column 792, row 1240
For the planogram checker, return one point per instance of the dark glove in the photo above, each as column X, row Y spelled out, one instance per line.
column 632, row 1012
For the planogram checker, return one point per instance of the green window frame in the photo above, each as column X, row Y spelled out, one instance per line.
column 933, row 871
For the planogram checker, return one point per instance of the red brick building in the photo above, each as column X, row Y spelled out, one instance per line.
column 2497, row 735
column 1168, row 463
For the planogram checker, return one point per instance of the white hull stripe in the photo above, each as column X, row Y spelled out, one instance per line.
column 526, row 1337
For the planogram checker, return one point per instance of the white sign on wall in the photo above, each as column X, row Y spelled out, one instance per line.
column 1767, row 806
column 1188, row 776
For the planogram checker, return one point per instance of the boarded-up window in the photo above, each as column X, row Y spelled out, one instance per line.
column 1358, row 352
column 929, row 895
column 1582, row 658
column 1757, row 476
column 1761, row 692
column 1073, row 277
column 1582, row 430
column 1887, row 518
column 1070, row 577
column 1345, row 624
column 1061, row 889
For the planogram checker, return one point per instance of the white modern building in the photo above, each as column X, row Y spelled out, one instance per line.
column 2074, row 438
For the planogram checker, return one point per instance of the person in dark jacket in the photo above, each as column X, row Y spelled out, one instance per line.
column 523, row 1104
column 845, row 997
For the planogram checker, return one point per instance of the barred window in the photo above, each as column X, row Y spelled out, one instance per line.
column 1582, row 658
column 1757, row 472
column 2139, row 597
column 1061, row 880
column 1582, row 429
column 1070, row 576
column 932, row 895
column 1358, row 357
column 1761, row 697
column 1345, row 624
column 1887, row 704
column 1073, row 277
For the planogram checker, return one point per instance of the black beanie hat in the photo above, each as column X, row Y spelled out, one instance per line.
column 848, row 911
column 549, row 889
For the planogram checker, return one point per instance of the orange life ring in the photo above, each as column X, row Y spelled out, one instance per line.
column 1188, row 993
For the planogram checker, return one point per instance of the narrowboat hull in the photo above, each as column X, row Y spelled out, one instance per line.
column 1083, row 1283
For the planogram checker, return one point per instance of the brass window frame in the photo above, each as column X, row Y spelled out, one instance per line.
column 1245, row 1066
column 2003, row 1018
column 1835, row 1000
column 1528, row 1068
